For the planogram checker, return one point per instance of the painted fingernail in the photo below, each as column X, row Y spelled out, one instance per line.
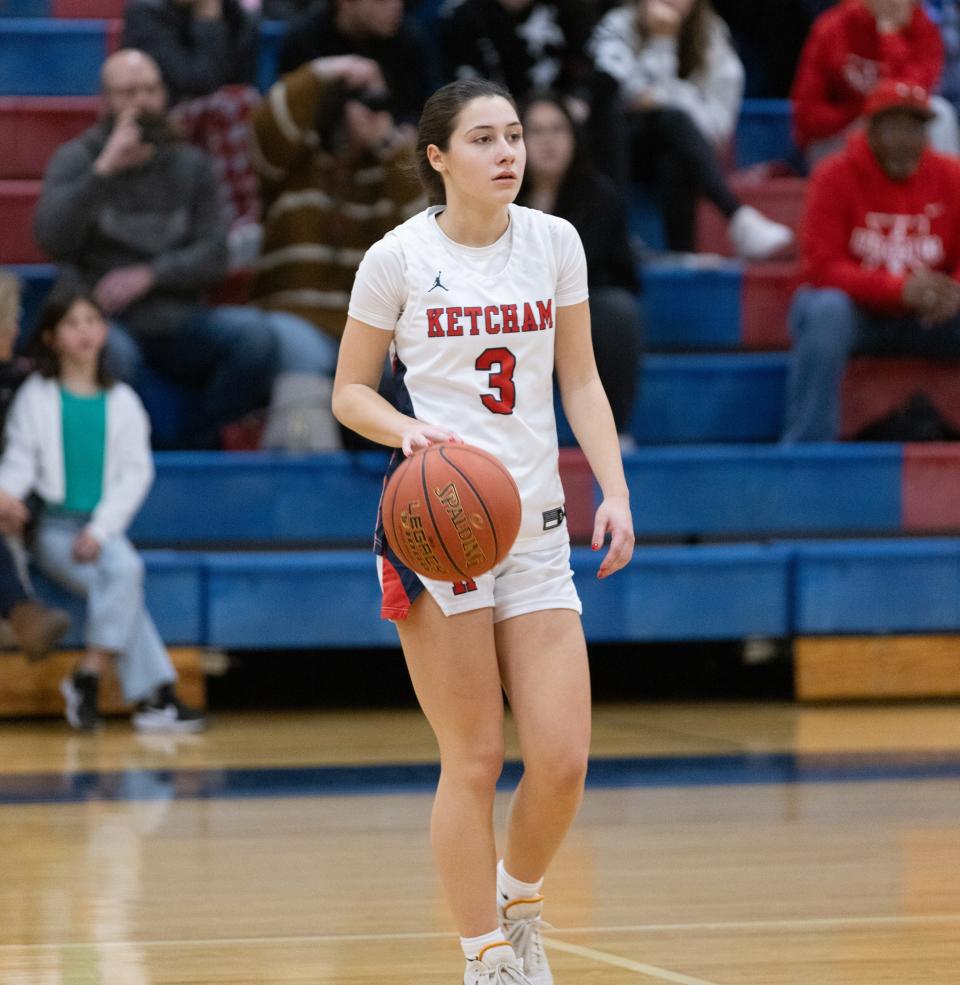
column 596, row 547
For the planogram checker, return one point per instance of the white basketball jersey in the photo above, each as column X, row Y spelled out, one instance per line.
column 474, row 352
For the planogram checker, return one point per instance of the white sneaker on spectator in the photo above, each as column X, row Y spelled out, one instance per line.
column 495, row 965
column 755, row 237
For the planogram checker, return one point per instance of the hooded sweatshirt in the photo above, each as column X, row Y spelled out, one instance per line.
column 866, row 234
column 844, row 58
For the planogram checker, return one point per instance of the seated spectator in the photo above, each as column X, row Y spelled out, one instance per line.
column 36, row 628
column 135, row 215
column 207, row 53
column 681, row 84
column 880, row 241
column 561, row 180
column 525, row 45
column 81, row 443
column 850, row 48
column 337, row 175
column 374, row 29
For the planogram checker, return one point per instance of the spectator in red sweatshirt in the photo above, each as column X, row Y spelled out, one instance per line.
column 880, row 243
column 852, row 47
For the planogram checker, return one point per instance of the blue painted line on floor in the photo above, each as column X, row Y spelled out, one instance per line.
column 406, row 778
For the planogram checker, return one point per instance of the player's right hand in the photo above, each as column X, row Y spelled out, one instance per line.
column 124, row 148
column 421, row 436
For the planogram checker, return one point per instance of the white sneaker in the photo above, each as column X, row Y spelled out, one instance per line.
column 755, row 237
column 497, row 964
column 521, row 921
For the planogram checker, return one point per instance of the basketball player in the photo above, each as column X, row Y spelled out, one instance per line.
column 480, row 301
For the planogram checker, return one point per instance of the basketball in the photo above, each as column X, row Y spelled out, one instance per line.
column 451, row 511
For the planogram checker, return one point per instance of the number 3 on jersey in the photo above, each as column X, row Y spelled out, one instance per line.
column 500, row 379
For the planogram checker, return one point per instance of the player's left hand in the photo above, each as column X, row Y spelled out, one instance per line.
column 614, row 518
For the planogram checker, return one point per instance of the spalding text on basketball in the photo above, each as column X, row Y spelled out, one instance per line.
column 463, row 523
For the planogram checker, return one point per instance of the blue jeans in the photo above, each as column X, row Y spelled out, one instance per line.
column 827, row 327
column 229, row 353
column 117, row 618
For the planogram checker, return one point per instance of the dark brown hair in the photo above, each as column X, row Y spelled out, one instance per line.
column 57, row 306
column 694, row 36
column 438, row 121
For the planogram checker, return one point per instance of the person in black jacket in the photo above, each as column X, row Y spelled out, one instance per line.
column 374, row 29
column 207, row 53
column 560, row 179
column 200, row 45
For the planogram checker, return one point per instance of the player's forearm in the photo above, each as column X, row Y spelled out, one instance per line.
column 361, row 409
column 591, row 419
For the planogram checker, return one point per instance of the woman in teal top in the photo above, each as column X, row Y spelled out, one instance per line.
column 81, row 442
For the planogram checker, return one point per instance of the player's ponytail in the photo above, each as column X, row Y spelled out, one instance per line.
column 438, row 121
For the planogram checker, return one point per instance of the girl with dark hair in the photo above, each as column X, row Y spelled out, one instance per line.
column 560, row 179
column 81, row 443
column 480, row 300
column 681, row 84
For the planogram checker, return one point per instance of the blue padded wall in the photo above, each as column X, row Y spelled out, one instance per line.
column 877, row 587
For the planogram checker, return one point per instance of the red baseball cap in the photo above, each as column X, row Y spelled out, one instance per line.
column 891, row 94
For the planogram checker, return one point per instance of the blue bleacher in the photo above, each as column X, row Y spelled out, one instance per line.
column 692, row 305
column 710, row 398
column 886, row 586
column 723, row 491
column 745, row 491
column 71, row 53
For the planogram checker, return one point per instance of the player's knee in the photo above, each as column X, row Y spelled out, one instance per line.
column 562, row 766
column 477, row 766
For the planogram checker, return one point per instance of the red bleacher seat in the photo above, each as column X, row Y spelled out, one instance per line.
column 765, row 303
column 779, row 198
column 89, row 9
column 931, row 487
column 874, row 386
column 33, row 127
column 18, row 199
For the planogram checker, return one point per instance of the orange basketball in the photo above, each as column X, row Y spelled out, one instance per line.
column 451, row 511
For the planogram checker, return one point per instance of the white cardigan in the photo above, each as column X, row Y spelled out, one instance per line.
column 711, row 96
column 33, row 456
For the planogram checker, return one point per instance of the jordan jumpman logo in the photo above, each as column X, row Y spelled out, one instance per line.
column 437, row 283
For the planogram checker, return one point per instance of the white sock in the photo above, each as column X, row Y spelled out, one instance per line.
column 472, row 946
column 509, row 888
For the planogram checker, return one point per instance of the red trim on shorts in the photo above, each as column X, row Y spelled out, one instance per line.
column 396, row 603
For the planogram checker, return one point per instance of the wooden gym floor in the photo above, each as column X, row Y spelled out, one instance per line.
column 734, row 844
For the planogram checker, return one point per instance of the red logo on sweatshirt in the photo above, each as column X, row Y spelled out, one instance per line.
column 897, row 242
